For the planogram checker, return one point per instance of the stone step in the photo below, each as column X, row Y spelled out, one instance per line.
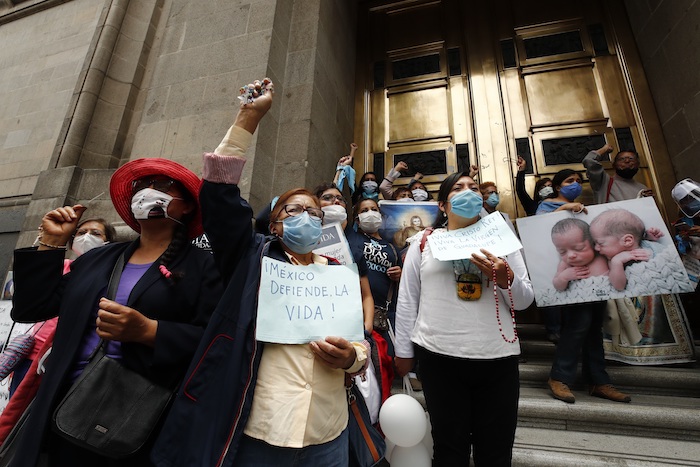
column 546, row 447
column 664, row 417
column 649, row 380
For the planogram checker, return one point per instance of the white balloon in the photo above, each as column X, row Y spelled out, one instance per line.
column 428, row 438
column 411, row 456
column 389, row 449
column 402, row 419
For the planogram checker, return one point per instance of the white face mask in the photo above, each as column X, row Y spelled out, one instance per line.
column 369, row 221
column 151, row 204
column 85, row 243
column 405, row 200
column 334, row 213
column 419, row 194
column 546, row 192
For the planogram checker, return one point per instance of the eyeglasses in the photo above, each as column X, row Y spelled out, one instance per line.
column 161, row 184
column 626, row 159
column 333, row 198
column 95, row 232
column 298, row 209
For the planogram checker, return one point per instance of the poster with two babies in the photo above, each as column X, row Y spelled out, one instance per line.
column 614, row 250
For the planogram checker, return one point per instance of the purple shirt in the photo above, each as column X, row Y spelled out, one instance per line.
column 131, row 274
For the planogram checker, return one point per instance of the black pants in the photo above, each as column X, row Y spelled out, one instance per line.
column 471, row 403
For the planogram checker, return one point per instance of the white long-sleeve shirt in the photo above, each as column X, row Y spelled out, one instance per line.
column 430, row 314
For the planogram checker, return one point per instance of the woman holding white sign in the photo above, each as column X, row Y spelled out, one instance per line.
column 463, row 338
column 243, row 402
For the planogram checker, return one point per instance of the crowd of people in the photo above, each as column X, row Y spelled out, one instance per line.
column 186, row 319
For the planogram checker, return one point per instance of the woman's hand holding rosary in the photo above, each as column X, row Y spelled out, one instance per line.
column 488, row 263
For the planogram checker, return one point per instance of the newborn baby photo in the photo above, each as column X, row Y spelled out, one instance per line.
column 616, row 250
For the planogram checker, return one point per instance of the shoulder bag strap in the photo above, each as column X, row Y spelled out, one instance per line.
column 111, row 293
column 424, row 239
column 354, row 409
column 390, row 292
column 7, row 341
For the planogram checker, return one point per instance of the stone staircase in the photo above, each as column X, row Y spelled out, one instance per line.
column 660, row 427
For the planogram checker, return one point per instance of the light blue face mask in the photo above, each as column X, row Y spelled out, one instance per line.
column 467, row 204
column 493, row 200
column 301, row 233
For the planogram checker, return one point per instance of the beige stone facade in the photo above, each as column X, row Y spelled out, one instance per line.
column 666, row 32
column 86, row 85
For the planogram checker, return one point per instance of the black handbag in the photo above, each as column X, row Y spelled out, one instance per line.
column 367, row 446
column 110, row 409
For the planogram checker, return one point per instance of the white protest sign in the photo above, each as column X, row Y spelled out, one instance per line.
column 300, row 304
column 334, row 244
column 491, row 233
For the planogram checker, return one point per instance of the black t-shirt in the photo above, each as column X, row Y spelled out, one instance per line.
column 379, row 255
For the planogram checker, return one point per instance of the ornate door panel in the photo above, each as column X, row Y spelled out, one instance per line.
column 416, row 92
column 446, row 83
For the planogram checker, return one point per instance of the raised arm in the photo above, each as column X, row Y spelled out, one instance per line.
column 386, row 188
column 528, row 203
column 343, row 162
column 227, row 216
column 594, row 169
column 38, row 275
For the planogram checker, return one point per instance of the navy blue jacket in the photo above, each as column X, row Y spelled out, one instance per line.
column 42, row 292
column 206, row 421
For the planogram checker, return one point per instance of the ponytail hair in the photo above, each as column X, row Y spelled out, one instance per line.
column 177, row 244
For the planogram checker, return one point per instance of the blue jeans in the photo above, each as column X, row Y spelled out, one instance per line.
column 552, row 319
column 581, row 331
column 256, row 453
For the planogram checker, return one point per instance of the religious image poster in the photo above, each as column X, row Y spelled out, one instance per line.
column 403, row 220
column 616, row 250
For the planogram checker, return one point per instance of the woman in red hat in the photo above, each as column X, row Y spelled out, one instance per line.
column 165, row 296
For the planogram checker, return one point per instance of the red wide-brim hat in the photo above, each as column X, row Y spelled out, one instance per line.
column 120, row 188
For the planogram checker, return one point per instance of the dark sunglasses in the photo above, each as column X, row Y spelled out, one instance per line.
column 163, row 184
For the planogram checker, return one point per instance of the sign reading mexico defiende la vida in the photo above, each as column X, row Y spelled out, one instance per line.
column 491, row 233
column 300, row 304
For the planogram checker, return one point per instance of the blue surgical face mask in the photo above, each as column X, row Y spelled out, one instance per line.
column 571, row 192
column 369, row 186
column 493, row 200
column 467, row 204
column 301, row 233
column 373, row 195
